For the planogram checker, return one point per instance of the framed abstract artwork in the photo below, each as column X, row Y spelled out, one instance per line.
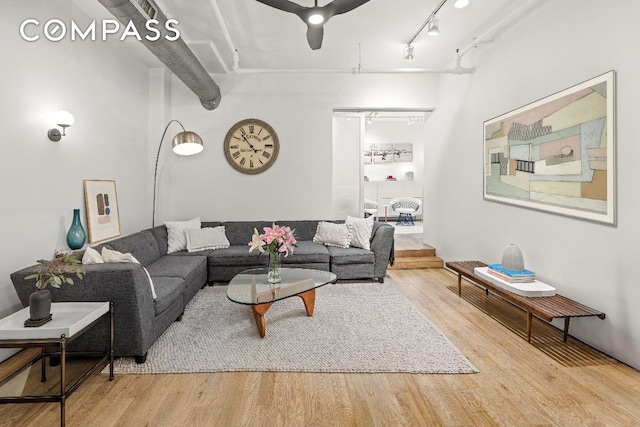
column 556, row 154
column 101, row 202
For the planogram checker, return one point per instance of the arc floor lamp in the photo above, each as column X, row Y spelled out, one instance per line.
column 185, row 143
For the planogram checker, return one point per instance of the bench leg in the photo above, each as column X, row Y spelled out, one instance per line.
column 459, row 285
column 529, row 324
column 566, row 328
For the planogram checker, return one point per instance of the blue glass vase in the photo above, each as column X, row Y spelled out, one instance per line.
column 76, row 235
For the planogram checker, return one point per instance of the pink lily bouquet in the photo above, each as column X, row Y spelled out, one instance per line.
column 276, row 240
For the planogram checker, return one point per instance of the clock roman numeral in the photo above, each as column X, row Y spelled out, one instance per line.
column 242, row 131
column 268, row 145
column 251, row 128
column 266, row 154
column 251, row 164
column 236, row 155
column 266, row 137
column 243, row 161
column 234, row 146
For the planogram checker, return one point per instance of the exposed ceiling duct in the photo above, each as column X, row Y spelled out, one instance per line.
column 176, row 55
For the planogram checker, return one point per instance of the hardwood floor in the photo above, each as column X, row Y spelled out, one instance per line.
column 545, row 383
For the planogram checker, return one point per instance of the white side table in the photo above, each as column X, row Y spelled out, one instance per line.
column 69, row 321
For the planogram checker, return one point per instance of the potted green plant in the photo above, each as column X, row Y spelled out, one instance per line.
column 51, row 273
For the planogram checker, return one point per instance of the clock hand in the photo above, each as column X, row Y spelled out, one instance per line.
column 250, row 145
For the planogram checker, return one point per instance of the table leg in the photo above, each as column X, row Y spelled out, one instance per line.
column 111, row 341
column 309, row 299
column 259, row 312
column 529, row 324
column 63, row 375
column 43, row 366
column 566, row 328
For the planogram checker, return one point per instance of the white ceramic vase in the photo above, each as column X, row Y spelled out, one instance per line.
column 512, row 258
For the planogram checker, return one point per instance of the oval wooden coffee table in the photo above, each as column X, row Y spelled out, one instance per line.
column 251, row 288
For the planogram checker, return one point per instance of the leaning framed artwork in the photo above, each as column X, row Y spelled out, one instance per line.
column 101, row 202
column 556, row 154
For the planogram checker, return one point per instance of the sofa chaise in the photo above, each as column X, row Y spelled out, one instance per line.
column 139, row 318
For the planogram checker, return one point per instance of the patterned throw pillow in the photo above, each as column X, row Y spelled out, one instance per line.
column 361, row 228
column 176, row 233
column 331, row 234
column 206, row 238
column 91, row 256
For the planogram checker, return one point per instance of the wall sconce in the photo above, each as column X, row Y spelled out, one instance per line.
column 64, row 119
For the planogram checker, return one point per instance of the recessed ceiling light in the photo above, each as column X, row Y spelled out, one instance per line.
column 461, row 3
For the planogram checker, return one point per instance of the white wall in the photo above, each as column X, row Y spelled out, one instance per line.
column 555, row 47
column 300, row 108
column 106, row 89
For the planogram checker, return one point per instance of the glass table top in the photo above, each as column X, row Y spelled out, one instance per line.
column 251, row 287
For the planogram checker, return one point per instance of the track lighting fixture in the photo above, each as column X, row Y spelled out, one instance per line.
column 409, row 53
column 433, row 29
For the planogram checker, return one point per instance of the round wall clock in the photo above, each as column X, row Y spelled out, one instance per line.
column 251, row 146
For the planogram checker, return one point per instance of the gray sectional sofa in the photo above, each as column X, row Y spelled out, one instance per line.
column 140, row 319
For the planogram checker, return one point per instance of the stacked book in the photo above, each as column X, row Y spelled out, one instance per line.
column 511, row 276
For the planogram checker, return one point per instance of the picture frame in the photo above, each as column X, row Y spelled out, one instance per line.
column 556, row 154
column 402, row 152
column 367, row 154
column 383, row 154
column 101, row 203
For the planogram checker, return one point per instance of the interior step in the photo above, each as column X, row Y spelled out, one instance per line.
column 407, row 263
column 426, row 251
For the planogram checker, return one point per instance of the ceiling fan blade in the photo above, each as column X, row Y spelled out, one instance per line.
column 342, row 6
column 286, row 5
column 314, row 36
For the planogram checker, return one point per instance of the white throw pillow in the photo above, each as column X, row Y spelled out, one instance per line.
column 176, row 233
column 330, row 234
column 361, row 228
column 109, row 255
column 91, row 256
column 206, row 238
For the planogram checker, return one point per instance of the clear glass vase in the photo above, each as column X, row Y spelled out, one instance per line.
column 274, row 273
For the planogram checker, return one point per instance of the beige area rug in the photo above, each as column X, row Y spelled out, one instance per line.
column 356, row 327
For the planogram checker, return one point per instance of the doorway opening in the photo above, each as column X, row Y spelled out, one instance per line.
column 378, row 158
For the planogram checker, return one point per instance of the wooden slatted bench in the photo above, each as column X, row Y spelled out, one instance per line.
column 545, row 308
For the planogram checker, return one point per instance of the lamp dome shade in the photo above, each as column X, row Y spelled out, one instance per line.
column 187, row 143
column 63, row 118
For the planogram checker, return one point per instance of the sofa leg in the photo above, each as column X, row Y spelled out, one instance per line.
column 141, row 359
column 179, row 318
column 381, row 279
